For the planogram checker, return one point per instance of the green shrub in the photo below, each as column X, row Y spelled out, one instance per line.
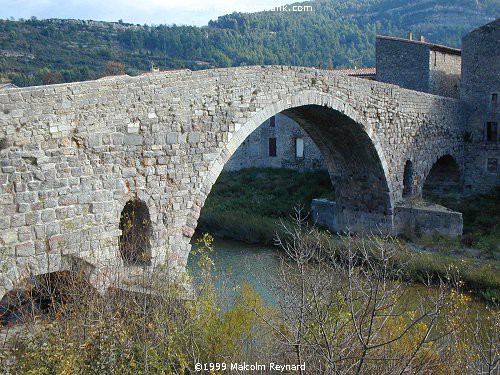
column 490, row 245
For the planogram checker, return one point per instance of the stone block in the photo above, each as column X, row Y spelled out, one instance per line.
column 132, row 140
column 129, row 172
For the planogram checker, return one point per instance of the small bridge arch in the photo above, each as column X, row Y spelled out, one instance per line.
column 443, row 178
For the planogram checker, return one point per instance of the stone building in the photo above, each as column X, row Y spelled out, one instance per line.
column 480, row 86
column 472, row 75
column 278, row 143
column 418, row 65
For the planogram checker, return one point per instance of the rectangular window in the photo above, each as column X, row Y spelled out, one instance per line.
column 299, row 147
column 492, row 165
column 272, row 147
column 272, row 122
column 491, row 131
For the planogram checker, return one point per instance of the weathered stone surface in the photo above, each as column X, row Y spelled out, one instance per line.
column 431, row 219
column 480, row 88
column 90, row 161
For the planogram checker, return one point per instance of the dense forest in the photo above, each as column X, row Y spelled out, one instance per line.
column 337, row 33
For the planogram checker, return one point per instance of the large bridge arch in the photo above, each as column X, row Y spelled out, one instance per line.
column 353, row 154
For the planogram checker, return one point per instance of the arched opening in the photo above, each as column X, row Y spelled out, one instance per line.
column 360, row 198
column 443, row 178
column 42, row 295
column 363, row 199
column 135, row 224
column 361, row 189
column 408, row 179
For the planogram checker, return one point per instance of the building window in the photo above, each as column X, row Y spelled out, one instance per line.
column 492, row 165
column 272, row 122
column 272, row 147
column 491, row 131
column 494, row 98
column 299, row 147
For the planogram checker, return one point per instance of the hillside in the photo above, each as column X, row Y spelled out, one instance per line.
column 338, row 33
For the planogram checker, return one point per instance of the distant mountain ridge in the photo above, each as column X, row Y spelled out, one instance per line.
column 338, row 33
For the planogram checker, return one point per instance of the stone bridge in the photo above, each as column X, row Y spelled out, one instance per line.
column 75, row 157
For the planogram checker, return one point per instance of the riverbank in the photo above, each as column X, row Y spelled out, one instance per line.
column 248, row 205
column 481, row 215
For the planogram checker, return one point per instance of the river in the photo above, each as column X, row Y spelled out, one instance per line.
column 237, row 262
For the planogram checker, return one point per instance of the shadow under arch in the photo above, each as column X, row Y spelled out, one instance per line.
column 22, row 275
column 43, row 294
column 443, row 179
column 352, row 153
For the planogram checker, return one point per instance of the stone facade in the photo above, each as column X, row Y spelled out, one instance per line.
column 480, row 88
column 73, row 155
column 418, row 65
column 256, row 150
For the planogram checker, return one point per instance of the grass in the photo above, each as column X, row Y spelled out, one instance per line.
column 246, row 205
column 249, row 228
column 479, row 278
column 271, row 192
column 481, row 215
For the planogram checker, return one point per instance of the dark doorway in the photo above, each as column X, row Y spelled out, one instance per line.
column 272, row 147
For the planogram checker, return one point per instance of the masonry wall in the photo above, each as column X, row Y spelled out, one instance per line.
column 72, row 155
column 254, row 151
column 444, row 74
column 418, row 66
column 324, row 212
column 428, row 220
column 407, row 219
column 402, row 63
column 480, row 80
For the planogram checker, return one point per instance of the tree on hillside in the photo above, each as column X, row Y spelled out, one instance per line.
column 113, row 68
column 49, row 77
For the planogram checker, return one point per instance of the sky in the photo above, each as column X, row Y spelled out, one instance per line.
column 185, row 12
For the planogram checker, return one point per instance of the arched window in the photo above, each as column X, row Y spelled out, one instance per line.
column 408, row 179
column 135, row 223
